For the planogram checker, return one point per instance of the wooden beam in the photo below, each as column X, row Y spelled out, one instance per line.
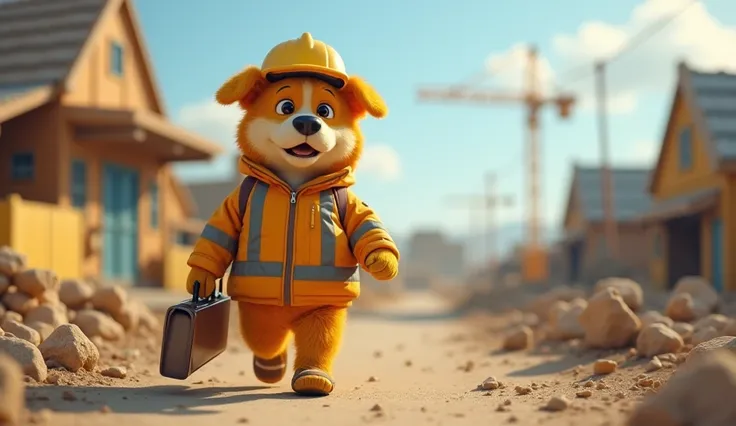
column 122, row 134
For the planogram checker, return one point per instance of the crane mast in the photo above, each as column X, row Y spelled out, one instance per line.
column 534, row 262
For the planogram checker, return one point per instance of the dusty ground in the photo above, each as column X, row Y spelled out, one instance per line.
column 426, row 363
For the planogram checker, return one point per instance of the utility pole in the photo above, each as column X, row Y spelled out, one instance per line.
column 535, row 258
column 607, row 186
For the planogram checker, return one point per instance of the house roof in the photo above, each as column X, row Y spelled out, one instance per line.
column 630, row 200
column 712, row 101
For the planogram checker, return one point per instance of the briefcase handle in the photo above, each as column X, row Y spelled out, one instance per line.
column 215, row 293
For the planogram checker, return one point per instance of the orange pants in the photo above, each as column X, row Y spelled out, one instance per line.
column 317, row 332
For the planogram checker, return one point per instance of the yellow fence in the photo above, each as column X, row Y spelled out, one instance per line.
column 50, row 236
column 175, row 267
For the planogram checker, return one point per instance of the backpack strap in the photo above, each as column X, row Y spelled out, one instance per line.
column 246, row 187
column 341, row 199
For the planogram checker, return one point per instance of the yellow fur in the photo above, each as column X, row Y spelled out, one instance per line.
column 382, row 264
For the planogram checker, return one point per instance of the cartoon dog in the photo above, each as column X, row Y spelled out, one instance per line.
column 295, row 233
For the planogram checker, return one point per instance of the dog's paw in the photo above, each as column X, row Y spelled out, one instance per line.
column 382, row 264
column 206, row 282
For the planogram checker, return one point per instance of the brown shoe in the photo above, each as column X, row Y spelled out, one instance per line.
column 270, row 370
column 312, row 382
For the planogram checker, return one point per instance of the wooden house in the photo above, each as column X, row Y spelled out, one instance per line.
column 693, row 219
column 83, row 125
column 584, row 244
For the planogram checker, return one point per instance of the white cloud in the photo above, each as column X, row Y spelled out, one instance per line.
column 695, row 36
column 212, row 120
column 380, row 161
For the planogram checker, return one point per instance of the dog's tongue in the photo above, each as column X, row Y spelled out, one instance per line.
column 303, row 149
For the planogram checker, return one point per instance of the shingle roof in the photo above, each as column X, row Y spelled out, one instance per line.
column 631, row 198
column 40, row 39
column 715, row 96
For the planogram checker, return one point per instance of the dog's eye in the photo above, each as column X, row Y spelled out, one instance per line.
column 285, row 107
column 325, row 111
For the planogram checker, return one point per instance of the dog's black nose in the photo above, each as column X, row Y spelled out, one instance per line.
column 307, row 125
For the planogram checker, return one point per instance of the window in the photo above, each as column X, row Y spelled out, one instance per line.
column 23, row 166
column 184, row 238
column 116, row 59
column 686, row 149
column 79, row 183
column 153, row 191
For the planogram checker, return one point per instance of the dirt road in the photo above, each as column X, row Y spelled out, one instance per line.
column 426, row 364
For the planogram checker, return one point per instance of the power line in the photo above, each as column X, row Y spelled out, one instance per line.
column 583, row 71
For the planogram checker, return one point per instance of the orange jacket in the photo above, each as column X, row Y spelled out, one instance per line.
column 292, row 249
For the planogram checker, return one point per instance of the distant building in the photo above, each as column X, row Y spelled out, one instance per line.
column 431, row 258
column 693, row 220
column 209, row 195
column 584, row 244
column 83, row 125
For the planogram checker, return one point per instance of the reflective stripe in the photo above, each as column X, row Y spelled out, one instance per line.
column 219, row 237
column 327, row 273
column 256, row 269
column 255, row 224
column 327, row 227
column 363, row 229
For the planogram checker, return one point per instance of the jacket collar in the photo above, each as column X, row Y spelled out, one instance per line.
column 344, row 177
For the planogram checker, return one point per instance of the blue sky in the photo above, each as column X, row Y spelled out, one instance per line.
column 398, row 46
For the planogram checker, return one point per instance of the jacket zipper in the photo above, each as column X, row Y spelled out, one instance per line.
column 288, row 273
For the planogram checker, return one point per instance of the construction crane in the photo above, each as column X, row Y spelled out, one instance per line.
column 534, row 263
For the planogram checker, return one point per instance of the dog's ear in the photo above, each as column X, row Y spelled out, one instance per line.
column 363, row 98
column 243, row 88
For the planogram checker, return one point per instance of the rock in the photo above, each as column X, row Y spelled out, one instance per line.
column 4, row 284
column 557, row 403
column 75, row 293
column 684, row 329
column 68, row 347
column 688, row 397
column 654, row 317
column 44, row 330
column 94, row 323
column 27, row 355
column 629, row 290
column 490, row 384
column 717, row 321
column 147, row 319
column 653, row 365
column 18, row 301
column 50, row 297
column 14, row 316
column 34, row 282
column 116, row 372
column 541, row 304
column 719, row 343
column 730, row 328
column 128, row 317
column 2, row 311
column 49, row 314
column 11, row 262
column 608, row 322
column 109, row 299
column 702, row 299
column 704, row 334
column 22, row 331
column 656, row 339
column 564, row 320
column 604, row 366
column 12, row 391
column 519, row 338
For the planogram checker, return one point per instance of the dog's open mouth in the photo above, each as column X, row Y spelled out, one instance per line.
column 302, row 151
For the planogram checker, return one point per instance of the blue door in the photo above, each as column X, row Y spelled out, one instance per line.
column 120, row 250
column 716, row 238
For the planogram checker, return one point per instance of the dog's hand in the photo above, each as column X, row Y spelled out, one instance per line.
column 206, row 282
column 382, row 264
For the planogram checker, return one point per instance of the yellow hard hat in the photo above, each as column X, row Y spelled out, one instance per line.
column 305, row 57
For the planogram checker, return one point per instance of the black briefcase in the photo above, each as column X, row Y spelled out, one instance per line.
column 195, row 332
